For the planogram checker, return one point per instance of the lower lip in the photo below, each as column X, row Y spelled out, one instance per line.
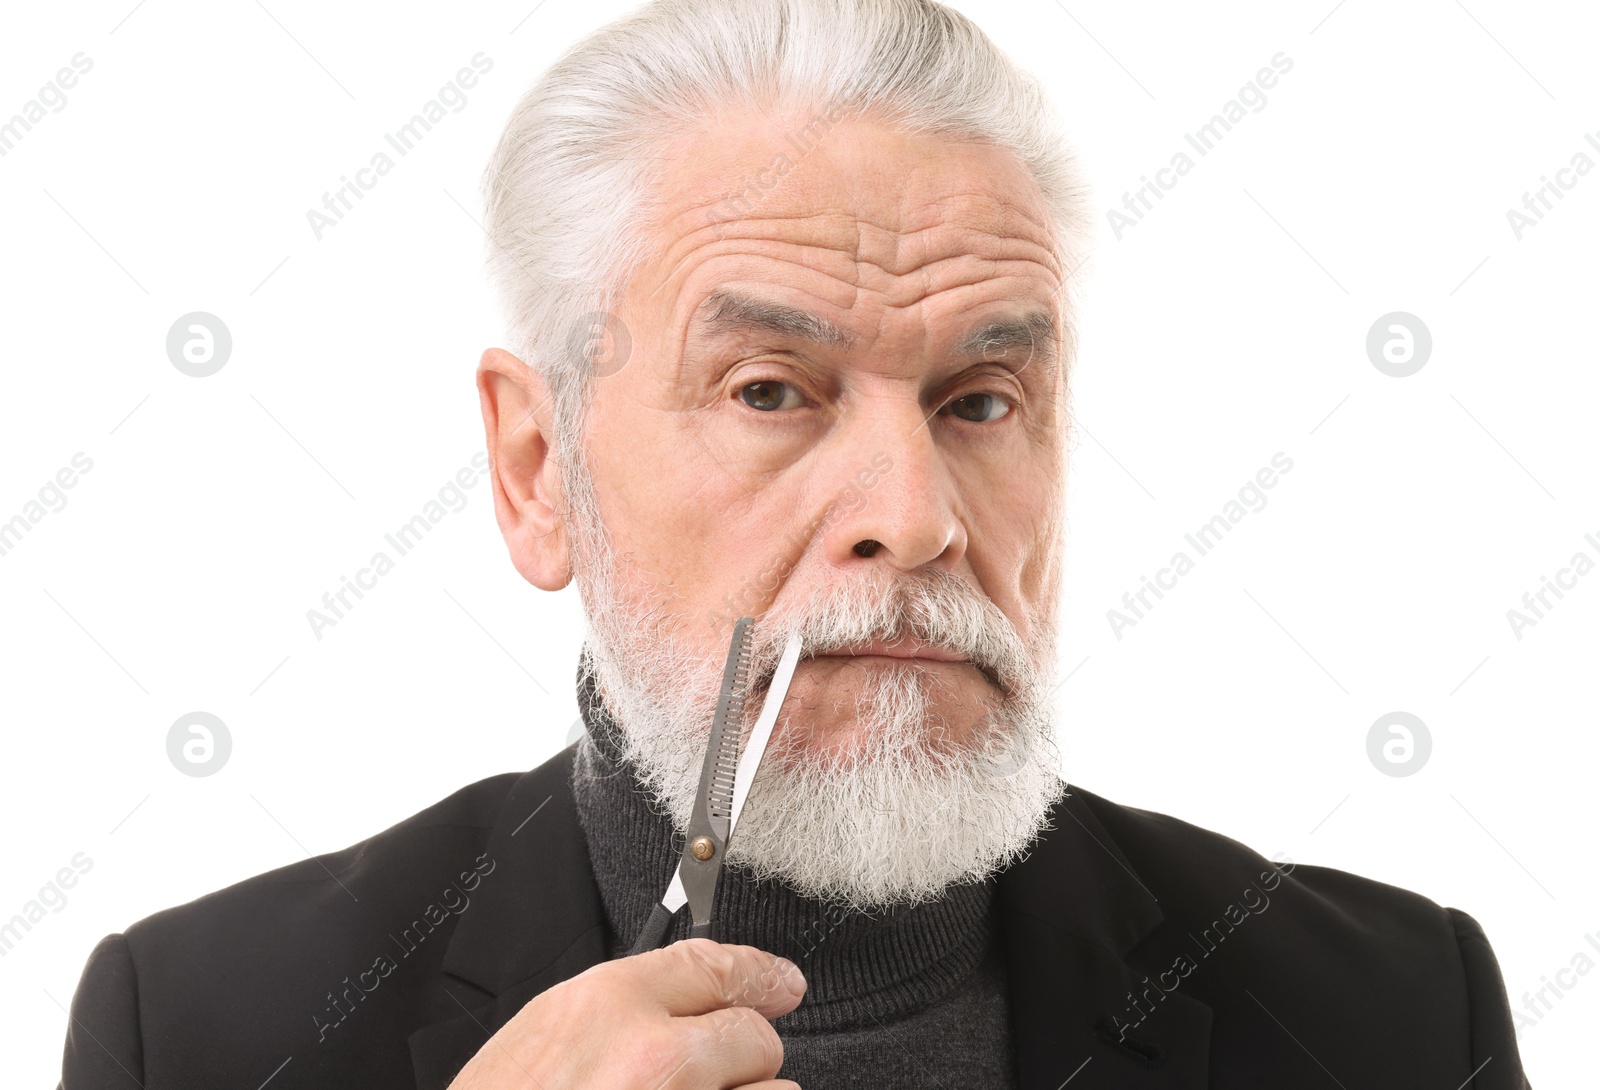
column 987, row 676
column 899, row 658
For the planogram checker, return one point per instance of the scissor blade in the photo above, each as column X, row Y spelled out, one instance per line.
column 761, row 733
column 675, row 897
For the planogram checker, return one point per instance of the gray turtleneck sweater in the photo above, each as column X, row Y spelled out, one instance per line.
column 904, row 997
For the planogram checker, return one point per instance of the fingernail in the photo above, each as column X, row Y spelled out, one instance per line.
column 793, row 978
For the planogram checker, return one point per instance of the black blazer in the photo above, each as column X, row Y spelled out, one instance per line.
column 1141, row 952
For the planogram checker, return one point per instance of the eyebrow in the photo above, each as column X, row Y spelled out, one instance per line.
column 1035, row 330
column 727, row 311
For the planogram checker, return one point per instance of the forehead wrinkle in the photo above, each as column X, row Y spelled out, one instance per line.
column 971, row 217
column 901, row 250
column 952, row 273
column 828, row 243
column 741, row 235
column 850, row 231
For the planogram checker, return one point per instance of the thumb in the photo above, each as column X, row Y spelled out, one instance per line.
column 698, row 976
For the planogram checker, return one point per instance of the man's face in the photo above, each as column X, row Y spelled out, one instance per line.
column 842, row 413
column 855, row 347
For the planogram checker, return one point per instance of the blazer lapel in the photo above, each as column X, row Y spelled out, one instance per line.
column 1072, row 913
column 536, row 922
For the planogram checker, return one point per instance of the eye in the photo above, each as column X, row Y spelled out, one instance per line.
column 978, row 408
column 769, row 395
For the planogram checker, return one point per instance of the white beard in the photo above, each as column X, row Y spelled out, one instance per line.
column 903, row 813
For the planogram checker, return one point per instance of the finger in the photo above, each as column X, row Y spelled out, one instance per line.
column 697, row 976
column 734, row 1046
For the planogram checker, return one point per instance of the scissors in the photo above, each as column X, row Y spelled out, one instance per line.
column 723, row 789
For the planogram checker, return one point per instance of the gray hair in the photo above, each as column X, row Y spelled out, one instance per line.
column 568, row 186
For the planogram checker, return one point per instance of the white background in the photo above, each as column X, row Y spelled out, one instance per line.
column 1227, row 326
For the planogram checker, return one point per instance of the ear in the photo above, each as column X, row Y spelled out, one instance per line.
column 528, row 503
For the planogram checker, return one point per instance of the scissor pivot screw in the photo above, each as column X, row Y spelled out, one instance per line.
column 702, row 848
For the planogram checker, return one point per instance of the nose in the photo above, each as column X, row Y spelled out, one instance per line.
column 895, row 498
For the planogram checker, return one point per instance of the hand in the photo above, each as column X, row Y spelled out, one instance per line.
column 689, row 1016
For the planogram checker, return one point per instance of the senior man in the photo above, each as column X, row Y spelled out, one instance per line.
column 789, row 285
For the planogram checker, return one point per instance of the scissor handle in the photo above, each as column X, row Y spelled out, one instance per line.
column 654, row 930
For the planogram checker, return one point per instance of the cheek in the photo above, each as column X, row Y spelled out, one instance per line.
column 1015, row 536
column 691, row 528
column 695, row 519
column 1008, row 499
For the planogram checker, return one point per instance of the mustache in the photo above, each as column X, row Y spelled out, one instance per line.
column 941, row 611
